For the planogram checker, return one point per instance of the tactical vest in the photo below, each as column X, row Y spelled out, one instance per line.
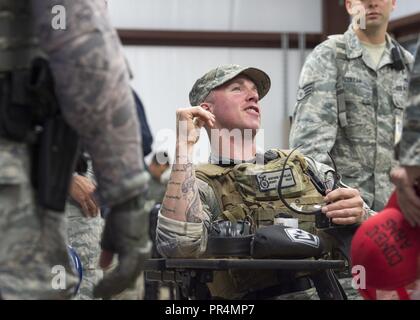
column 248, row 191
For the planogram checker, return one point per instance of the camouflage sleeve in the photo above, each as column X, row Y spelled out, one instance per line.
column 92, row 86
column 410, row 140
column 187, row 239
column 315, row 117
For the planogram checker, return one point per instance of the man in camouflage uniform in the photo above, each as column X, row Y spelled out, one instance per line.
column 84, row 229
column 408, row 175
column 351, row 97
column 84, row 236
column 224, row 99
column 92, row 88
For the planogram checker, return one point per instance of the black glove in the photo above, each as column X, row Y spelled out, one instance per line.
column 127, row 234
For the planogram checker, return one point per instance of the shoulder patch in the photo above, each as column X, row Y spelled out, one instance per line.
column 305, row 91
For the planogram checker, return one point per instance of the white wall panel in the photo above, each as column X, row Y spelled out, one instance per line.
column 170, row 14
column 406, row 8
column 219, row 15
column 278, row 15
column 226, row 15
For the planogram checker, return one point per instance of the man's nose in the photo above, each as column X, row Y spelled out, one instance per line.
column 252, row 95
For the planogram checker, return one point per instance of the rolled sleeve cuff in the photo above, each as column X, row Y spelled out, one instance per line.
column 180, row 239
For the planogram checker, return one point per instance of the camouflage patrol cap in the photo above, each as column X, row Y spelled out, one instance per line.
column 222, row 74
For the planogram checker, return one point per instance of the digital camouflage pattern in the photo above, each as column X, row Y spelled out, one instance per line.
column 375, row 99
column 17, row 15
column 84, row 235
column 33, row 251
column 88, row 52
column 222, row 74
column 92, row 86
column 410, row 140
column 156, row 191
column 32, row 241
column 93, row 90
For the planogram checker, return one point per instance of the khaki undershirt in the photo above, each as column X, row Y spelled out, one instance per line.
column 375, row 51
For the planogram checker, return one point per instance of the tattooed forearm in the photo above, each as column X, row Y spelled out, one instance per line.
column 182, row 200
column 189, row 183
column 173, row 197
column 194, row 212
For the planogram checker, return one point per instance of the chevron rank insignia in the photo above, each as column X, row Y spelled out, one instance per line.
column 305, row 91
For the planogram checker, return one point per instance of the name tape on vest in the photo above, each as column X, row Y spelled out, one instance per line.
column 268, row 181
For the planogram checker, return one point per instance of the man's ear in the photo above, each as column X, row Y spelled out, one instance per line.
column 207, row 106
column 394, row 2
column 349, row 5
